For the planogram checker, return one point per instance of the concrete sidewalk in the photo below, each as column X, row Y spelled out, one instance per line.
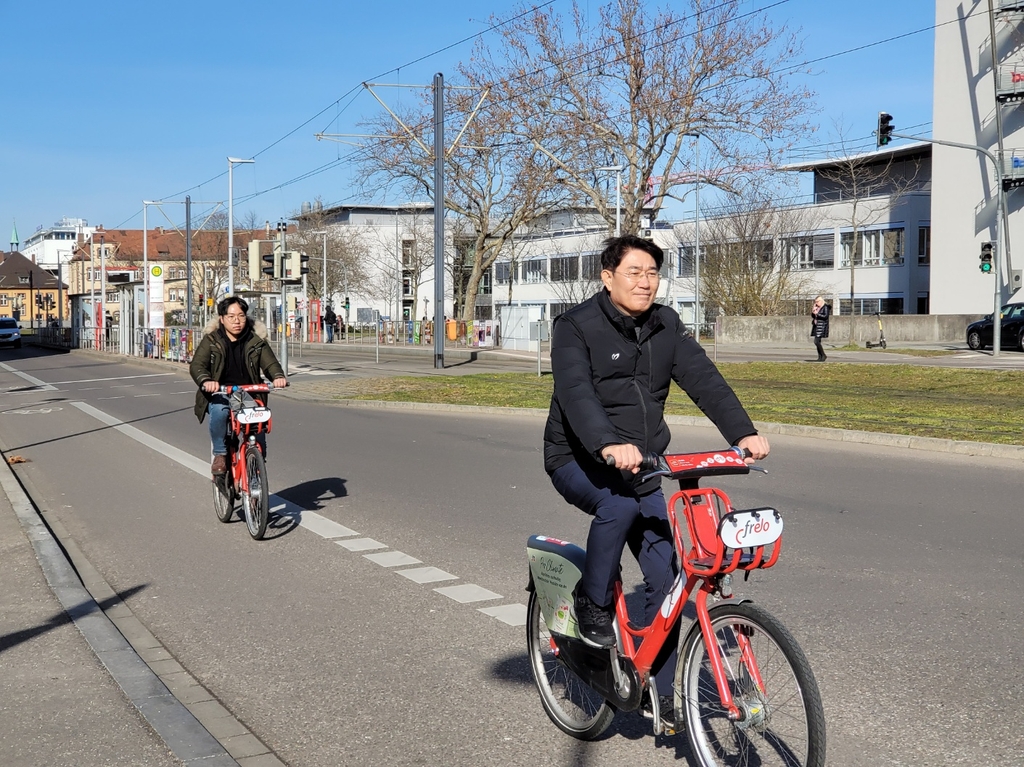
column 73, row 692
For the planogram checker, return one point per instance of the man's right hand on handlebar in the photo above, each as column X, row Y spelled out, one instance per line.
column 626, row 457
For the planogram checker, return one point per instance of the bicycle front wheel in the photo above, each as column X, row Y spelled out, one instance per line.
column 256, row 502
column 570, row 703
column 223, row 497
column 782, row 724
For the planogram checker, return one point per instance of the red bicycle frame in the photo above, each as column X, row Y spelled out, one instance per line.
column 705, row 560
column 241, row 432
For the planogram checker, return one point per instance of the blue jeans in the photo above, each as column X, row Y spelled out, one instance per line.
column 330, row 333
column 622, row 517
column 219, row 414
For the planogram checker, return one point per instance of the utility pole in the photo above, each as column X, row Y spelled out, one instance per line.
column 439, row 328
column 282, row 229
column 188, row 261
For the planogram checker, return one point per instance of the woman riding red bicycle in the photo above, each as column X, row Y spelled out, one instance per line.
column 234, row 351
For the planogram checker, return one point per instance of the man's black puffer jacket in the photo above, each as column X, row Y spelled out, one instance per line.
column 612, row 379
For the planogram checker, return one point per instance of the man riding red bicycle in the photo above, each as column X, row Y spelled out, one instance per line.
column 233, row 352
column 613, row 359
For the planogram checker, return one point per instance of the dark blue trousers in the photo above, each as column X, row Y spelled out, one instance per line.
column 621, row 517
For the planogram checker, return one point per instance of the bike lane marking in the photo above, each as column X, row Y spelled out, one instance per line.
column 43, row 386
column 513, row 615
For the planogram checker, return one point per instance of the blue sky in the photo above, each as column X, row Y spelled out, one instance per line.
column 109, row 103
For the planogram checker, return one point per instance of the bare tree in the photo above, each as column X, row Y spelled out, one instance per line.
column 628, row 87
column 576, row 276
column 872, row 186
column 346, row 255
column 494, row 183
column 748, row 256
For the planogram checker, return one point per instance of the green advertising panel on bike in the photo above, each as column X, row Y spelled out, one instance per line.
column 742, row 686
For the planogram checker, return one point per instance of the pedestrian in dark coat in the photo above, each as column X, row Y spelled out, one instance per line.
column 819, row 325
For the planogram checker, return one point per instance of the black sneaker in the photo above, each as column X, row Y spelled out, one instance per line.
column 595, row 622
column 666, row 706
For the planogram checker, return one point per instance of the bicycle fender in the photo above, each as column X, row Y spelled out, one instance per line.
column 695, row 626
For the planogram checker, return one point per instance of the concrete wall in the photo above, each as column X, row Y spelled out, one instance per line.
column 923, row 328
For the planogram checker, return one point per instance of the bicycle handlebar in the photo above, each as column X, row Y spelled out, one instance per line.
column 694, row 465
column 257, row 388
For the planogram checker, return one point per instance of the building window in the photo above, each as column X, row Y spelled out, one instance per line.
column 565, row 268
column 924, row 246
column 559, row 308
column 3, row 300
column 23, row 280
column 485, row 288
column 535, row 270
column 591, row 266
column 505, row 272
column 809, row 251
column 406, row 286
column 685, row 261
column 408, row 254
column 866, row 306
column 879, row 247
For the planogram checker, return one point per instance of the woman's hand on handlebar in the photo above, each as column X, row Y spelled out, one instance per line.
column 755, row 447
column 280, row 383
column 626, row 457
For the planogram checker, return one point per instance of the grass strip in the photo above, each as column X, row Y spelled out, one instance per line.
column 948, row 403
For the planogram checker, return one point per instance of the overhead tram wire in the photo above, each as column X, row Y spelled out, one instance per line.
column 355, row 89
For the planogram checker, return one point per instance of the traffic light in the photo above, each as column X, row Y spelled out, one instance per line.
column 272, row 265
column 346, row 303
column 296, row 265
column 885, row 127
column 987, row 250
column 254, row 260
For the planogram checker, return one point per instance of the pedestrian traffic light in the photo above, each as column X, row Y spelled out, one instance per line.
column 987, row 250
column 885, row 127
column 303, row 263
column 346, row 303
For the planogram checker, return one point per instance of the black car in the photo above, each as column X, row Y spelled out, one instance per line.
column 1011, row 336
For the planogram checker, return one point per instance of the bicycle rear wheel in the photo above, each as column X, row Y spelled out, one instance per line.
column 223, row 497
column 568, row 700
column 256, row 503
column 783, row 722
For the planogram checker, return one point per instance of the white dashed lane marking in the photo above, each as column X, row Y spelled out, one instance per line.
column 392, row 559
column 465, row 593
column 427, row 575
column 361, row 544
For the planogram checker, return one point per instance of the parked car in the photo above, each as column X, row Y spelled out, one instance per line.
column 1011, row 336
column 10, row 332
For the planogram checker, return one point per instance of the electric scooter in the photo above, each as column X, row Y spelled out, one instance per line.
column 881, row 334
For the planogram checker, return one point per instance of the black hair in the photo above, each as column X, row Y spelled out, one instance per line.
column 226, row 303
column 617, row 247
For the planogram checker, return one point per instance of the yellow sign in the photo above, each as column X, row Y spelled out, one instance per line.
column 156, row 271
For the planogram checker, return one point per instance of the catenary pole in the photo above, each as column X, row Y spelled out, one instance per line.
column 439, row 329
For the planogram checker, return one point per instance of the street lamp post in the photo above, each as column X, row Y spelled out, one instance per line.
column 696, row 234
column 232, row 162
column 618, row 195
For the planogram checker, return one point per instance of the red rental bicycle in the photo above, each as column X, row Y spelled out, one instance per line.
column 743, row 686
column 246, row 477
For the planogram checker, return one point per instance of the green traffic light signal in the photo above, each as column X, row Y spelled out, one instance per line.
column 987, row 250
column 885, row 127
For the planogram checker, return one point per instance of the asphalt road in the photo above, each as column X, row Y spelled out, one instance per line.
column 900, row 576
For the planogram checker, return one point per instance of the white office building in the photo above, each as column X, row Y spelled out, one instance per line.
column 50, row 246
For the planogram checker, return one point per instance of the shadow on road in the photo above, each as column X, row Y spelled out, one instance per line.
column 15, row 638
column 313, row 494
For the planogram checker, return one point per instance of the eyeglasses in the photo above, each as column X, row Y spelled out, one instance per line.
column 635, row 275
column 231, row 316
